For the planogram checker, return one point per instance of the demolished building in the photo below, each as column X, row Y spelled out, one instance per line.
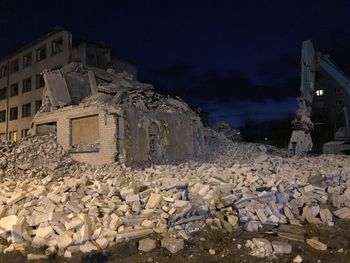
column 104, row 117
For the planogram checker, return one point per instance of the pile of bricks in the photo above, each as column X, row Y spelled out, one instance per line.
column 65, row 207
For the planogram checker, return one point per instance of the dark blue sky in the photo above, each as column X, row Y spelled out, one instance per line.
column 236, row 59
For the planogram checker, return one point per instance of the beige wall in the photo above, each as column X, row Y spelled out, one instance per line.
column 51, row 61
column 107, row 124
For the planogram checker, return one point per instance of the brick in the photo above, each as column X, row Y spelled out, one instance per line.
column 147, row 244
column 153, row 201
column 172, row 244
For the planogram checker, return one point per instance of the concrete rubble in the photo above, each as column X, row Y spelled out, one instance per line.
column 49, row 201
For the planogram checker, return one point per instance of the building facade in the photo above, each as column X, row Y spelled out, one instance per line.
column 21, row 81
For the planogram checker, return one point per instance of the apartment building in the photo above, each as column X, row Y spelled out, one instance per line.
column 21, row 82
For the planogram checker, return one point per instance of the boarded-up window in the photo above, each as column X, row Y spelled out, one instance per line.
column 85, row 133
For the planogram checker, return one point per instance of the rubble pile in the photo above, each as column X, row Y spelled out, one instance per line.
column 90, row 85
column 229, row 132
column 33, row 156
column 64, row 206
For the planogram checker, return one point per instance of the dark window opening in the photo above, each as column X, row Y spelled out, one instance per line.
column 57, row 46
column 27, row 85
column 46, row 128
column 26, row 110
column 14, row 89
column 3, row 116
column 37, row 105
column 24, row 133
column 14, row 66
column 2, row 93
column 27, row 60
column 40, row 83
column 3, row 71
column 13, row 113
column 41, row 53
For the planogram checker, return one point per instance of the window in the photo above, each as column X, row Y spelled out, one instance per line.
column 2, row 93
column 3, row 116
column 339, row 102
column 13, row 136
column 14, row 89
column 37, row 105
column 27, row 85
column 41, row 53
column 13, row 113
column 85, row 134
column 26, row 110
column 3, row 71
column 40, row 83
column 57, row 46
column 14, row 66
column 320, row 92
column 24, row 133
column 27, row 60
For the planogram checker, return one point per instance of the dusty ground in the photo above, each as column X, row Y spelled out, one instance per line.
column 225, row 245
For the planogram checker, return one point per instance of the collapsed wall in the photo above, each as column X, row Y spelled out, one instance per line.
column 104, row 117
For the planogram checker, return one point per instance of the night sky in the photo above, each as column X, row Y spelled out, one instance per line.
column 238, row 60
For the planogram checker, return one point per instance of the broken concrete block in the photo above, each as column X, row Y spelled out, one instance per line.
column 180, row 203
column 172, row 244
column 134, row 233
column 251, row 226
column 74, row 223
column 292, row 232
column 36, row 257
column 147, row 223
column 153, row 201
column 147, row 244
column 326, row 216
column 44, row 232
column 17, row 233
column 15, row 198
column 132, row 198
column 54, row 198
column 73, row 207
column 316, row 244
column 280, row 247
column 63, row 241
column 341, row 213
column 87, row 247
column 7, row 222
column 297, row 259
column 102, row 242
column 232, row 219
column 263, row 243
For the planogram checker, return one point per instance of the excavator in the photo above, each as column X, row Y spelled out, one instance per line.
column 300, row 143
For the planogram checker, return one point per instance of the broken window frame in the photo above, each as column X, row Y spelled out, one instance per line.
column 24, row 133
column 38, row 104
column 56, row 46
column 39, row 81
column 27, row 60
column 14, row 66
column 13, row 113
column 14, row 89
column 13, row 136
column 3, row 116
column 26, row 110
column 27, row 85
column 41, row 53
column 95, row 145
